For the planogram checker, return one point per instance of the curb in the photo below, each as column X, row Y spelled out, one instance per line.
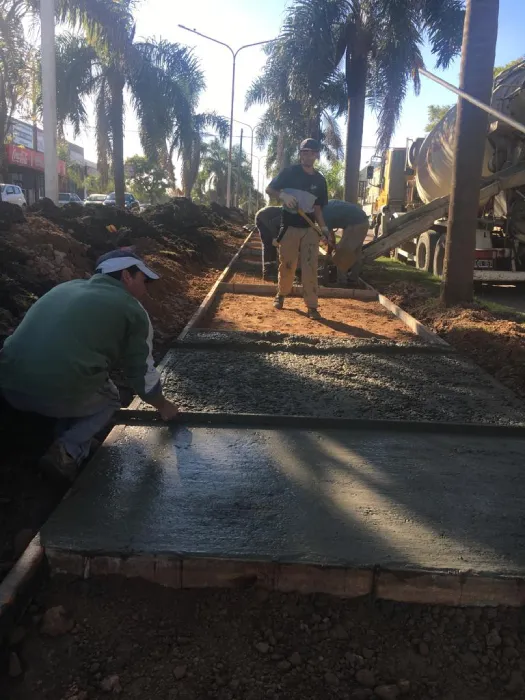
column 427, row 587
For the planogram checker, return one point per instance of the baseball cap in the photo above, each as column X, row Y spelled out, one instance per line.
column 121, row 259
column 310, row 145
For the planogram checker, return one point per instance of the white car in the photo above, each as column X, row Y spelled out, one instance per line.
column 13, row 194
column 68, row 198
column 96, row 199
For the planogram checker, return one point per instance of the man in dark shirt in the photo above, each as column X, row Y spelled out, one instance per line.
column 292, row 186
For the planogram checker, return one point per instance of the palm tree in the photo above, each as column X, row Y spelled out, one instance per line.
column 300, row 104
column 192, row 145
column 14, row 69
column 379, row 43
column 213, row 173
column 148, row 69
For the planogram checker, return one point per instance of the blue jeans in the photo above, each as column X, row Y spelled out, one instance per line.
column 78, row 422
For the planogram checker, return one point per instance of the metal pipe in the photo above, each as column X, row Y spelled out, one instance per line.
column 49, row 93
column 486, row 108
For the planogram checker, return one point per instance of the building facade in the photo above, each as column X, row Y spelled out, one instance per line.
column 25, row 157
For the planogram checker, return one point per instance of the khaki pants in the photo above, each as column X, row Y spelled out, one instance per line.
column 349, row 250
column 303, row 242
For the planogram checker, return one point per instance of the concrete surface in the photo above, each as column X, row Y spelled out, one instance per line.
column 322, row 497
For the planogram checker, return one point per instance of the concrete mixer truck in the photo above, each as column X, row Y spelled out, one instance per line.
column 416, row 181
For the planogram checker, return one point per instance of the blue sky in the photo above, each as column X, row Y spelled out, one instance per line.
column 239, row 22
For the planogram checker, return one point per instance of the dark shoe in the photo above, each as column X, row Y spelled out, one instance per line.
column 270, row 272
column 314, row 315
column 278, row 302
column 57, row 465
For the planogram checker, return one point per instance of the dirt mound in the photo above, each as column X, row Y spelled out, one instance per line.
column 56, row 244
column 10, row 214
column 35, row 255
column 495, row 343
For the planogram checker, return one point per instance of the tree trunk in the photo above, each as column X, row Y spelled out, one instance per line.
column 117, row 128
column 356, row 74
column 477, row 65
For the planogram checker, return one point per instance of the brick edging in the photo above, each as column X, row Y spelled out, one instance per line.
column 431, row 587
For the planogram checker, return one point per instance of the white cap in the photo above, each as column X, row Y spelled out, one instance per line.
column 118, row 260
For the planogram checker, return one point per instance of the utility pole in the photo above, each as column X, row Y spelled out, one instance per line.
column 477, row 67
column 239, row 166
column 49, row 94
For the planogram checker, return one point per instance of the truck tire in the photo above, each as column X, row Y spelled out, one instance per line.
column 426, row 247
column 439, row 256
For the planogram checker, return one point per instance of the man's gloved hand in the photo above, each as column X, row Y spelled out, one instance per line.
column 288, row 200
column 326, row 234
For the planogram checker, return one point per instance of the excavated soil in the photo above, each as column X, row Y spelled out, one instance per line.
column 136, row 640
column 341, row 317
column 51, row 245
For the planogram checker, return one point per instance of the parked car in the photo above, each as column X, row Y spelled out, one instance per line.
column 96, row 199
column 68, row 198
column 13, row 194
column 131, row 203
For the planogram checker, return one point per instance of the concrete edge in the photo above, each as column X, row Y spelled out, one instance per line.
column 208, row 299
column 415, row 326
column 129, row 417
column 297, row 291
column 18, row 586
column 452, row 588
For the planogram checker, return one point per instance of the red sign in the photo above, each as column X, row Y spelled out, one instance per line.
column 27, row 158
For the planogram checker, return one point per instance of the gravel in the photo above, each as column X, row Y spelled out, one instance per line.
column 137, row 640
column 409, row 385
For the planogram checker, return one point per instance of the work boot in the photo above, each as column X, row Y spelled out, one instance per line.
column 57, row 465
column 278, row 302
column 314, row 314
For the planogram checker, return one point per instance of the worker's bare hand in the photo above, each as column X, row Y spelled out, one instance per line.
column 168, row 411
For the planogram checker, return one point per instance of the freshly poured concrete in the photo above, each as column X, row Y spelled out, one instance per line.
column 331, row 497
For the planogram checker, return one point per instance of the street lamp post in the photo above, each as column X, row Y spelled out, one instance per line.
column 259, row 159
column 251, row 163
column 234, row 56
column 49, row 95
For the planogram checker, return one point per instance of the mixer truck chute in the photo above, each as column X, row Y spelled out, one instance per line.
column 423, row 172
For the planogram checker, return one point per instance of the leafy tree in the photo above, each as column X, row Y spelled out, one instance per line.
column 334, row 174
column 211, row 180
column 14, row 69
column 300, row 104
column 435, row 115
column 499, row 69
column 146, row 180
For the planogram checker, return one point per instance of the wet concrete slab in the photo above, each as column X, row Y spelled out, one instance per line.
column 332, row 497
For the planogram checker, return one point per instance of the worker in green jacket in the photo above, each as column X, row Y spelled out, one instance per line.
column 57, row 362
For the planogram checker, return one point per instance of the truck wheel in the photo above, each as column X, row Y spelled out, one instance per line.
column 439, row 256
column 426, row 247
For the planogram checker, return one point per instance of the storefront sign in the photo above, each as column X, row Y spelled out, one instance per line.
column 27, row 158
column 21, row 133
